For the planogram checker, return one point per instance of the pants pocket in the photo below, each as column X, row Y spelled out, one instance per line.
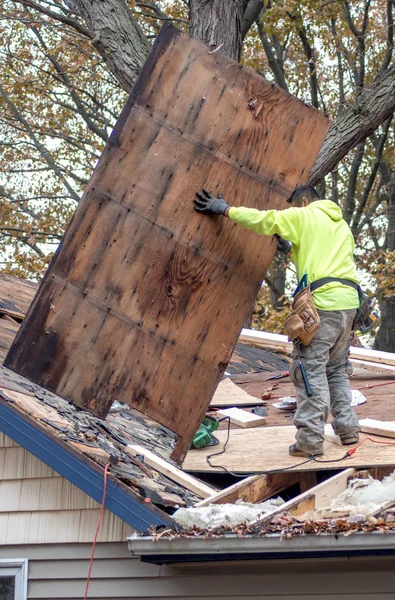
column 295, row 374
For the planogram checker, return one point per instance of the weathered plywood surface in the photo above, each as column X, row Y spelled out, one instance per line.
column 266, row 448
column 143, row 300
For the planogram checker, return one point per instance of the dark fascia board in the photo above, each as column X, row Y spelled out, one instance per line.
column 79, row 470
column 268, row 547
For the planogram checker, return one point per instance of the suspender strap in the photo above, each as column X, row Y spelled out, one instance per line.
column 320, row 282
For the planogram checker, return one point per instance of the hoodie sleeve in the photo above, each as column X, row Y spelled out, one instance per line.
column 288, row 223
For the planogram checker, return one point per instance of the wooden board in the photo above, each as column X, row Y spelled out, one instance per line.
column 141, row 301
column 166, row 468
column 260, row 450
column 280, row 343
column 253, row 489
column 382, row 428
column 317, row 497
column 230, row 394
column 241, row 417
column 16, row 295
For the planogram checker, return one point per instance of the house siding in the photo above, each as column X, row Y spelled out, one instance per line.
column 59, row 571
column 38, row 506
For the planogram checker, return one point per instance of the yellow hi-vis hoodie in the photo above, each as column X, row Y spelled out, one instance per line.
column 322, row 246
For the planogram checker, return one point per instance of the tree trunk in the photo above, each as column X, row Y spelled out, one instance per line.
column 276, row 275
column 385, row 337
column 123, row 46
column 355, row 124
column 218, row 23
column 117, row 36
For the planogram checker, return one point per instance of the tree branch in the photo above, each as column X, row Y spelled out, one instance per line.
column 251, row 14
column 117, row 36
column 352, row 182
column 373, row 106
column 58, row 17
column 43, row 151
column 390, row 37
column 372, row 176
column 275, row 62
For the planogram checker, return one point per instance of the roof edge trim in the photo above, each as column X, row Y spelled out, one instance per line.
column 271, row 547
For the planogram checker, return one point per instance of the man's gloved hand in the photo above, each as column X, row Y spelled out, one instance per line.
column 207, row 203
column 283, row 245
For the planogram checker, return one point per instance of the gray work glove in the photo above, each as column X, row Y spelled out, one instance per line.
column 207, row 203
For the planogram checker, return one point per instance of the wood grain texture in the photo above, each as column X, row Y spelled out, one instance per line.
column 267, row 449
column 139, row 303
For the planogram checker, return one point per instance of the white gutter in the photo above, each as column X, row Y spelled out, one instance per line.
column 355, row 543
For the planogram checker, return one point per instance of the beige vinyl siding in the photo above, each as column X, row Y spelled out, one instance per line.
column 59, row 572
column 38, row 506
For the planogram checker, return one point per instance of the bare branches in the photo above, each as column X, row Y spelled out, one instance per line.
column 356, row 228
column 58, row 16
column 65, row 79
column 360, row 36
column 40, row 147
column 356, row 123
column 352, row 182
column 274, row 52
column 390, row 36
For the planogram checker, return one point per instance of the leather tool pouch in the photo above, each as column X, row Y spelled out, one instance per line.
column 304, row 321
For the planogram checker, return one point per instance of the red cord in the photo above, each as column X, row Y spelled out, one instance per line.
column 97, row 531
column 368, row 439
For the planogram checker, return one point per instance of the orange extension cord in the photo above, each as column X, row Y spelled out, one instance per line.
column 368, row 439
column 97, row 530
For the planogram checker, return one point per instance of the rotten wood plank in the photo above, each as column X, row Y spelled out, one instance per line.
column 172, row 472
column 16, row 296
column 139, row 302
column 253, row 489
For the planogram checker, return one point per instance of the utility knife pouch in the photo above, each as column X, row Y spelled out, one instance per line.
column 304, row 321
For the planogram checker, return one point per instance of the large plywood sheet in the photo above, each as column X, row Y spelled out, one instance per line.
column 145, row 299
column 266, row 449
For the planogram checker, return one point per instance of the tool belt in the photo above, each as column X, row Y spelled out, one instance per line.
column 304, row 321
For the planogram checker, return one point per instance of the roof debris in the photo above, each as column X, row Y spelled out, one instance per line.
column 366, row 504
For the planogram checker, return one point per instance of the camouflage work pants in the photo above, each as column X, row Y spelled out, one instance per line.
column 324, row 360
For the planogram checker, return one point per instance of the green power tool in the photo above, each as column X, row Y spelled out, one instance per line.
column 203, row 437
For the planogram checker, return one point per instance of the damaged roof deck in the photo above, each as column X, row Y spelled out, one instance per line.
column 79, row 445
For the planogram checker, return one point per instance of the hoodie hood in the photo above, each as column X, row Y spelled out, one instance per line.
column 329, row 208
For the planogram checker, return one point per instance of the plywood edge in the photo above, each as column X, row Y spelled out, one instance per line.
column 177, row 475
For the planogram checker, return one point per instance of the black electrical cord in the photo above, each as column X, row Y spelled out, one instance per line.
column 256, row 473
column 333, row 460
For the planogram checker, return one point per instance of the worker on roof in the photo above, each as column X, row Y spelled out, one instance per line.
column 322, row 247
